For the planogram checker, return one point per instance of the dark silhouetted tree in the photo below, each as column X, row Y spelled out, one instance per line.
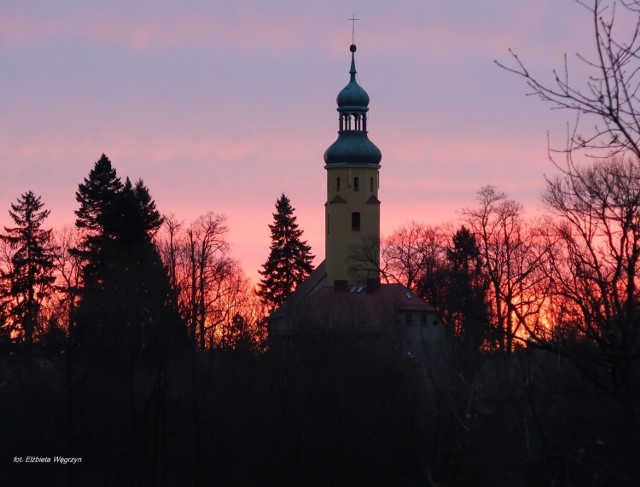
column 97, row 215
column 412, row 252
column 459, row 289
column 126, row 302
column 513, row 258
column 238, row 335
column 596, row 269
column 68, row 265
column 208, row 265
column 290, row 257
column 128, row 329
column 469, row 289
column 97, row 196
column 138, row 219
column 208, row 283
column 30, row 276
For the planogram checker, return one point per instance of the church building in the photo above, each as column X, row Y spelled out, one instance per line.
column 344, row 293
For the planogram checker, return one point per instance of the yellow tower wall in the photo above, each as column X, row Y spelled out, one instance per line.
column 356, row 192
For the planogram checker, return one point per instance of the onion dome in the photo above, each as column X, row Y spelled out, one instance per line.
column 353, row 148
column 353, row 145
column 352, row 95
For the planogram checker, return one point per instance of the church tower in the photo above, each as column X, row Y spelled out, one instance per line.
column 352, row 210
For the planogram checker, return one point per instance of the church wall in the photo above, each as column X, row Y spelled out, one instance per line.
column 356, row 192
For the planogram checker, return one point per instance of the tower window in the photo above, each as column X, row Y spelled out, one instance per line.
column 338, row 183
column 355, row 221
column 356, row 184
column 371, row 185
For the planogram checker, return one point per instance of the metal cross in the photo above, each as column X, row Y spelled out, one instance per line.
column 353, row 28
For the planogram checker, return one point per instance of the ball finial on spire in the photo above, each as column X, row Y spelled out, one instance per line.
column 352, row 48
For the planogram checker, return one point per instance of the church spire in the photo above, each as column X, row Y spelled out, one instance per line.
column 352, row 210
column 353, row 145
column 353, row 71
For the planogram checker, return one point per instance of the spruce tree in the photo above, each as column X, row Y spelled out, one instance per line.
column 290, row 258
column 468, row 294
column 126, row 305
column 30, row 277
column 97, row 196
column 458, row 288
column 97, row 216
column 138, row 219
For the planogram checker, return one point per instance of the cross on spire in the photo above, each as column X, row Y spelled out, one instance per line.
column 353, row 28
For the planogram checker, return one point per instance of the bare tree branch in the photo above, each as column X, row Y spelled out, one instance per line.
column 608, row 97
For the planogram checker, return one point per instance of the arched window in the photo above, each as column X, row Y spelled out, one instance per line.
column 356, row 184
column 338, row 183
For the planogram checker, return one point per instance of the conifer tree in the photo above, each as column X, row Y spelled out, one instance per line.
column 468, row 291
column 126, row 304
column 31, row 274
column 112, row 213
column 138, row 219
column 290, row 258
column 97, row 216
column 458, row 288
column 97, row 196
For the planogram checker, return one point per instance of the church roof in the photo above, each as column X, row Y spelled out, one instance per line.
column 352, row 147
column 315, row 280
column 354, row 309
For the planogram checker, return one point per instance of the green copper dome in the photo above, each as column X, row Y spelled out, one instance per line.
column 353, row 148
column 353, row 95
column 353, row 145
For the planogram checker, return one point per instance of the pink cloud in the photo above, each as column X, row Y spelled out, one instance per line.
column 159, row 26
column 424, row 178
column 234, row 151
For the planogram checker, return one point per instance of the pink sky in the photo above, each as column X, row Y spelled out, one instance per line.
column 223, row 106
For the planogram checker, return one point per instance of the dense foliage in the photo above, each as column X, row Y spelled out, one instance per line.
column 149, row 363
column 28, row 278
column 290, row 258
column 126, row 306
